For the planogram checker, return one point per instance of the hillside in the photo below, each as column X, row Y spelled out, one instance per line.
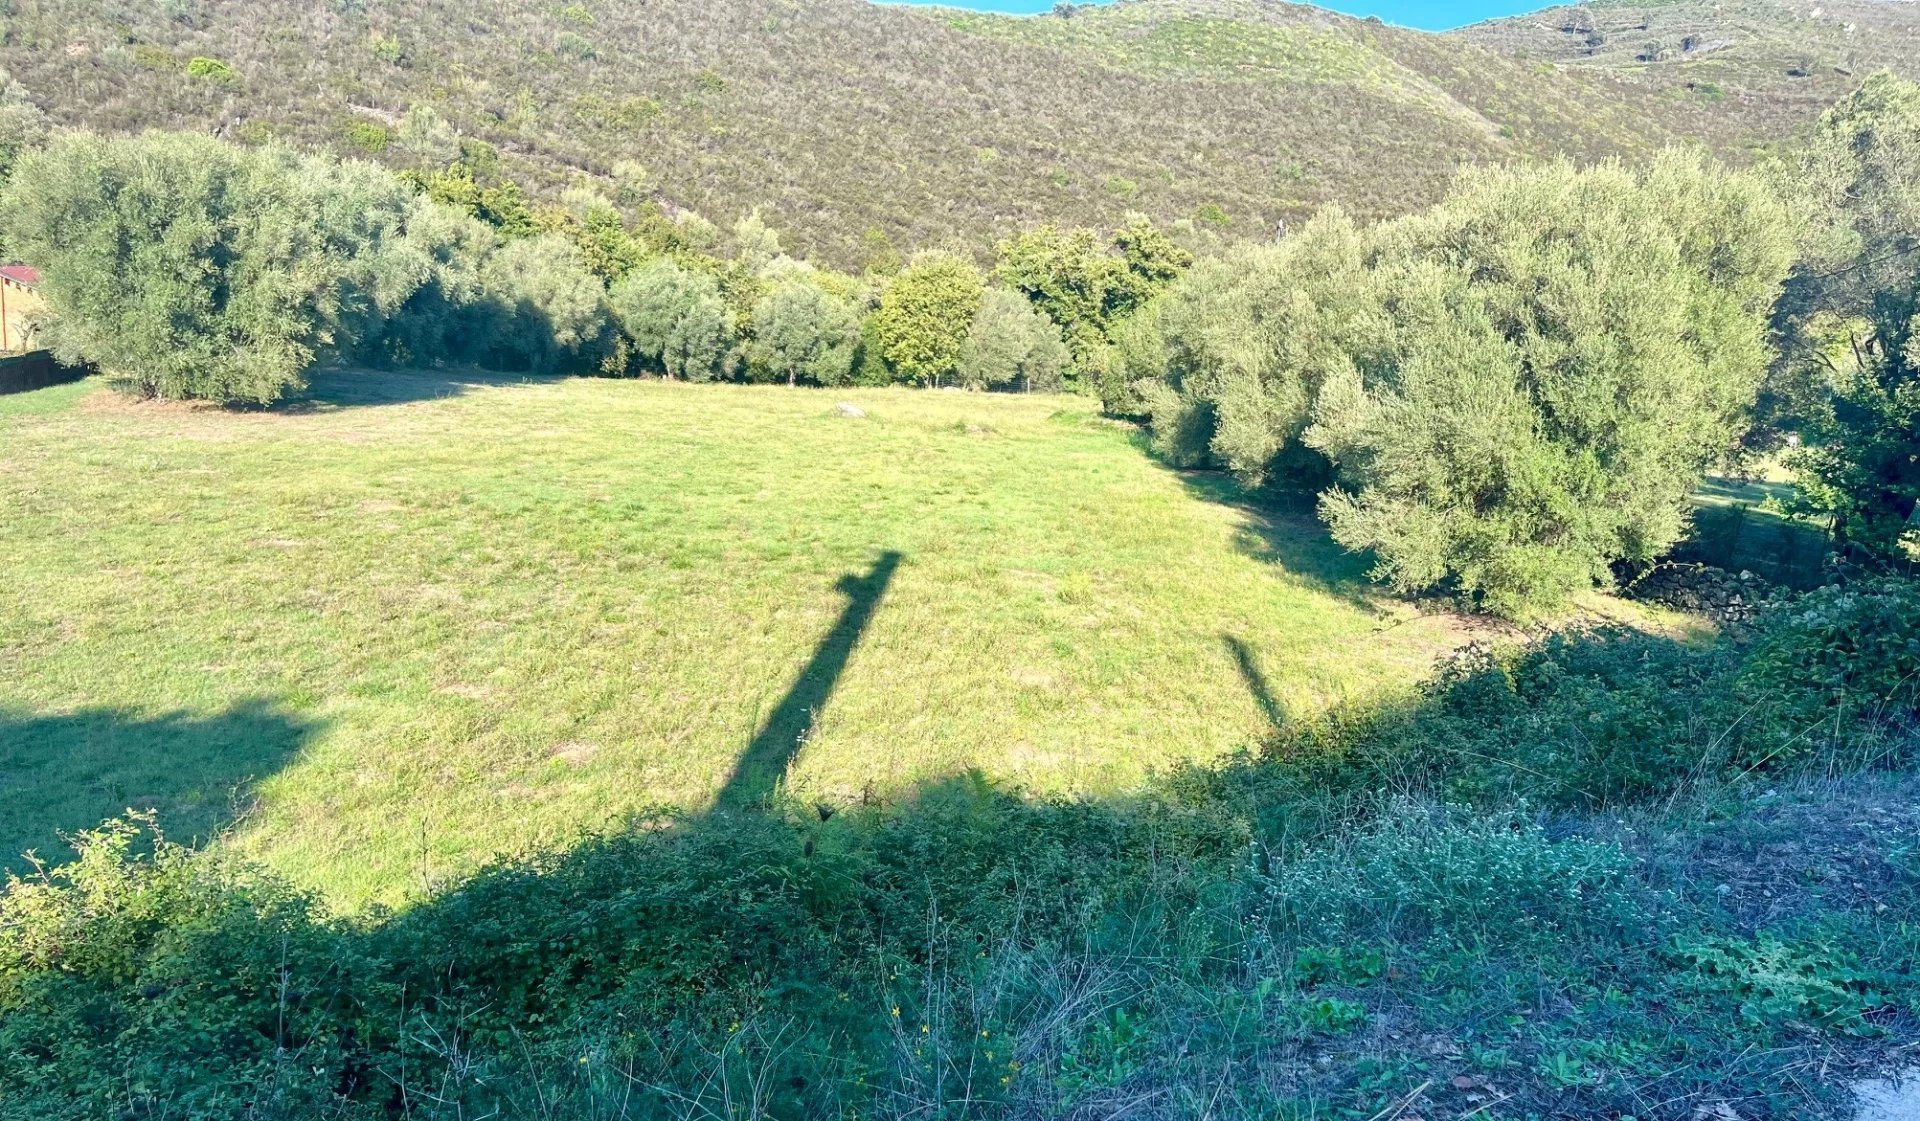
column 849, row 122
column 1745, row 70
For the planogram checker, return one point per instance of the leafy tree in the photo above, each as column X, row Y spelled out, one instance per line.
column 1514, row 390
column 446, row 315
column 185, row 265
column 924, row 315
column 675, row 319
column 1011, row 343
column 1249, row 338
column 1861, row 468
column 22, row 123
column 1858, row 177
column 1153, row 260
column 801, row 331
column 1069, row 274
column 1086, row 283
column 869, row 358
column 1569, row 351
column 597, row 231
column 1849, row 317
column 547, row 312
column 501, row 204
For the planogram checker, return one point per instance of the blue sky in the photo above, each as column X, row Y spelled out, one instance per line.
column 1434, row 15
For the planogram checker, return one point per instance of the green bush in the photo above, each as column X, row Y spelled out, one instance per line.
column 1517, row 388
column 1834, row 658
column 924, row 315
column 211, row 70
column 368, row 136
column 545, row 311
column 676, row 319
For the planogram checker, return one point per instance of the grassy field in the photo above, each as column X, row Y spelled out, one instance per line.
column 419, row 621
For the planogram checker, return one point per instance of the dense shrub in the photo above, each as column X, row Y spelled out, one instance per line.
column 1836, row 658
column 1421, row 872
column 446, row 317
column 23, row 125
column 1010, row 343
column 1852, row 317
column 801, row 331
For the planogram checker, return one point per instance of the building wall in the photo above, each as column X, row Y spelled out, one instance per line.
column 22, row 309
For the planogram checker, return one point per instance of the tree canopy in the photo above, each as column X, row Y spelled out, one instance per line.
column 193, row 268
column 925, row 313
column 1513, row 390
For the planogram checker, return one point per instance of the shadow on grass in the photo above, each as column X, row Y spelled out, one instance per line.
column 68, row 772
column 1721, row 489
column 1243, row 660
column 888, row 955
column 1279, row 526
column 357, row 387
column 793, row 720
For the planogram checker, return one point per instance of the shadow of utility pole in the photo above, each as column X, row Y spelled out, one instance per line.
column 1256, row 681
column 792, row 722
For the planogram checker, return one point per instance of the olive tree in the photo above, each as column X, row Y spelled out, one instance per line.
column 1568, row 351
column 183, row 265
column 801, row 331
column 547, row 313
column 1509, row 392
column 1012, row 343
column 1853, row 315
column 676, row 319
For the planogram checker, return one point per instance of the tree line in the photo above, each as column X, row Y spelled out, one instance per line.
column 193, row 267
column 1506, row 396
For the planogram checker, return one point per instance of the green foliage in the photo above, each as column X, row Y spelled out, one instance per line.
column 1853, row 316
column 548, row 313
column 597, row 230
column 371, row 137
column 23, row 125
column 1086, row 283
column 676, row 320
column 502, row 205
column 1785, row 985
column 446, row 317
column 1466, row 878
column 188, row 267
column 1559, row 381
column 924, row 316
column 1838, row 657
column 1012, row 344
column 388, row 49
column 211, row 70
column 800, row 331
column 1517, row 389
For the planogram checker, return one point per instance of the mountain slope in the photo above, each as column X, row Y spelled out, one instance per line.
column 848, row 122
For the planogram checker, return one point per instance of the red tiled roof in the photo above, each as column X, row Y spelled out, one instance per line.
column 21, row 274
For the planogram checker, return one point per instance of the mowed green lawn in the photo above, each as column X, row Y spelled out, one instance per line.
column 418, row 622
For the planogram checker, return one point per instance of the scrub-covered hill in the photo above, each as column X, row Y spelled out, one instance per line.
column 857, row 127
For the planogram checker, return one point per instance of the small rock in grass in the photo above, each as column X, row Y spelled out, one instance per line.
column 845, row 409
